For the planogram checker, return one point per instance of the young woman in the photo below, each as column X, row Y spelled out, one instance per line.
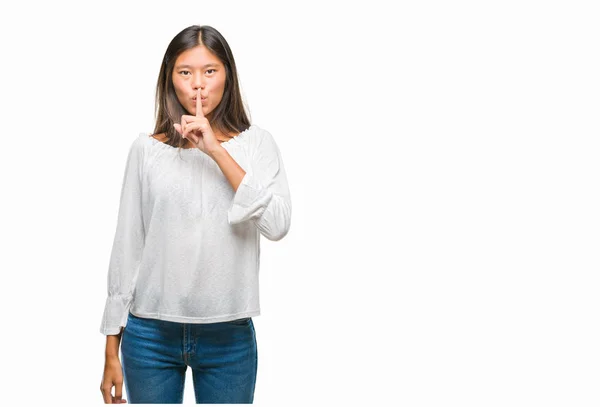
column 197, row 195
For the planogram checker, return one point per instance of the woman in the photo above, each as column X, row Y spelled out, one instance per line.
column 183, row 274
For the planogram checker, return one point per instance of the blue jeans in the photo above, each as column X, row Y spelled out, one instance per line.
column 155, row 355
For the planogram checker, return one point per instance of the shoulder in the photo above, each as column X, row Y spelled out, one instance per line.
column 264, row 147
column 146, row 139
column 266, row 142
column 261, row 137
column 140, row 144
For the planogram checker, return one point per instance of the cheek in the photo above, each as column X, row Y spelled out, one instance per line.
column 217, row 92
column 177, row 86
column 218, row 87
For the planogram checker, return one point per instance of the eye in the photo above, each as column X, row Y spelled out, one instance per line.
column 210, row 70
column 183, row 71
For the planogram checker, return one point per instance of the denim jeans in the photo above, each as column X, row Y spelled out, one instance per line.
column 155, row 355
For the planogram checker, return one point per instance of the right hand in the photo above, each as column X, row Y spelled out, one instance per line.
column 113, row 376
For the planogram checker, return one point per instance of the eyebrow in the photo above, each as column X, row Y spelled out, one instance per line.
column 189, row 66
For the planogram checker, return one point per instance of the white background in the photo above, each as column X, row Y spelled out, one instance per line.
column 443, row 162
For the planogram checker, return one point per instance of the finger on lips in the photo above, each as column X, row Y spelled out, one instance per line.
column 185, row 128
column 198, row 104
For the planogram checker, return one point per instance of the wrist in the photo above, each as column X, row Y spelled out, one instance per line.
column 216, row 152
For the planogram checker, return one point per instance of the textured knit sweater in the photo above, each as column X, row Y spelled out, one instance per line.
column 187, row 246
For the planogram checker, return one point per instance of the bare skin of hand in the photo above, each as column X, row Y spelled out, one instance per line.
column 113, row 376
column 197, row 129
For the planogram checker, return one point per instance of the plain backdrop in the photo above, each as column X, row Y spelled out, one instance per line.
column 443, row 166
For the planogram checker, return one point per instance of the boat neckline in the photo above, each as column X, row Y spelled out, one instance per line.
column 194, row 149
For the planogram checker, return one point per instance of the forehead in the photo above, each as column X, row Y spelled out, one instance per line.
column 197, row 57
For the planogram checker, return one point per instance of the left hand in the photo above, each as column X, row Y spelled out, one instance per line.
column 197, row 129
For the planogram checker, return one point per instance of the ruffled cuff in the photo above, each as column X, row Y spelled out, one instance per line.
column 249, row 202
column 115, row 315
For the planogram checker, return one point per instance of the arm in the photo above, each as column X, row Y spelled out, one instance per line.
column 230, row 168
column 113, row 372
column 262, row 197
column 127, row 246
column 112, row 345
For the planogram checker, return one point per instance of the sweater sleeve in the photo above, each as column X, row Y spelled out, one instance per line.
column 263, row 197
column 127, row 245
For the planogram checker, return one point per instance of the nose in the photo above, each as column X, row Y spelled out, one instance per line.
column 198, row 82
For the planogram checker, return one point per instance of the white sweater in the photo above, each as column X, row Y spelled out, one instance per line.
column 186, row 246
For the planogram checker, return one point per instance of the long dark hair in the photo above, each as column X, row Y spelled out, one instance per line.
column 228, row 116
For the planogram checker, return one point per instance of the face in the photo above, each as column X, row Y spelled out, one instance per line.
column 199, row 68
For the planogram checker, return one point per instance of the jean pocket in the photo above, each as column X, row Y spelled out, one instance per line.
column 241, row 321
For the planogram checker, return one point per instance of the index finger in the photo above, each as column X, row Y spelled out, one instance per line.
column 199, row 104
column 106, row 394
